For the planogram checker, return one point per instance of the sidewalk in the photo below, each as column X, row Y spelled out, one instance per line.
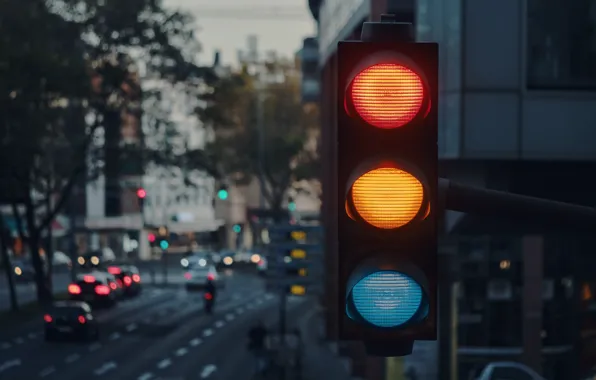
column 320, row 362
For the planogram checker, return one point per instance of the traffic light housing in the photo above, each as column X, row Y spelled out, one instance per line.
column 387, row 192
column 163, row 235
column 141, row 195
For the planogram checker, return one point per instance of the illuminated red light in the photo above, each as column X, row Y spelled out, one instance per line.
column 208, row 296
column 187, row 275
column 210, row 277
column 119, row 282
column 141, row 193
column 114, row 270
column 113, row 285
column 82, row 319
column 151, row 238
column 74, row 289
column 47, row 318
column 89, row 279
column 387, row 95
column 136, row 278
column 102, row 290
column 127, row 281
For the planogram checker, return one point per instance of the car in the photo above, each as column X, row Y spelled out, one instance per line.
column 196, row 258
column 128, row 278
column 197, row 277
column 70, row 319
column 97, row 288
column 509, row 371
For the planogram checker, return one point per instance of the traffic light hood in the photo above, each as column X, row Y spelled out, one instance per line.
column 387, row 193
column 387, row 90
column 387, row 294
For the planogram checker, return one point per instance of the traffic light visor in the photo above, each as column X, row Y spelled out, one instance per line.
column 386, row 197
column 386, row 299
column 387, row 95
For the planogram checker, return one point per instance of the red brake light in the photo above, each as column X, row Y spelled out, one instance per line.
column 47, row 318
column 113, row 285
column 82, row 319
column 387, row 95
column 89, row 279
column 187, row 275
column 119, row 281
column 210, row 277
column 74, row 289
column 114, row 270
column 136, row 278
column 208, row 296
column 127, row 281
column 102, row 290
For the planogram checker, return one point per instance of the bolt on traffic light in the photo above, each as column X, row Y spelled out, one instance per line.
column 387, row 191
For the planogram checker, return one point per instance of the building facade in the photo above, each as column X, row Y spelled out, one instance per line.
column 517, row 101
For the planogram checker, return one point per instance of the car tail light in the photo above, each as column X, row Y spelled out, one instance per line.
column 74, row 289
column 47, row 318
column 89, row 279
column 127, row 281
column 136, row 278
column 210, row 277
column 114, row 270
column 113, row 285
column 102, row 290
column 119, row 281
column 82, row 319
column 208, row 296
column 187, row 275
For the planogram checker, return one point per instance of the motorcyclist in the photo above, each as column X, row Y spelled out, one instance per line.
column 210, row 286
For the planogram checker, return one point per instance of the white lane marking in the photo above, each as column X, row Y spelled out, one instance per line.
column 72, row 358
column 115, row 336
column 146, row 376
column 230, row 317
column 9, row 364
column 208, row 332
column 19, row 341
column 219, row 324
column 105, row 368
column 95, row 347
column 131, row 327
column 164, row 364
column 208, row 370
column 195, row 342
column 47, row 371
column 5, row 345
column 181, row 351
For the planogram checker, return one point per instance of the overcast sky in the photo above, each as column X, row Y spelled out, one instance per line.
column 225, row 24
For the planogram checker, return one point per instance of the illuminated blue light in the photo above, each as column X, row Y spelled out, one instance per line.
column 387, row 298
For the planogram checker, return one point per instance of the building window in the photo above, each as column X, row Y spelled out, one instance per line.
column 561, row 44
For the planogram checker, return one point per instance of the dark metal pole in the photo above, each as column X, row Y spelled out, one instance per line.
column 480, row 201
column 447, row 355
column 73, row 251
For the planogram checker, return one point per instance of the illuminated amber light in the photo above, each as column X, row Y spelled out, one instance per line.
column 586, row 292
column 387, row 198
column 298, row 235
column 387, row 95
column 298, row 254
column 302, row 272
column 297, row 290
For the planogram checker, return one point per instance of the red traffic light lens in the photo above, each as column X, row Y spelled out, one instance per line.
column 141, row 193
column 387, row 197
column 387, row 95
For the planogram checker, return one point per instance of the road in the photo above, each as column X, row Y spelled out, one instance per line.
column 153, row 273
column 163, row 334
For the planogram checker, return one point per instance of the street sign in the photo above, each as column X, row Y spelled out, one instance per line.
column 295, row 258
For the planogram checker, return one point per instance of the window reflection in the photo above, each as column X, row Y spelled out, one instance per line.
column 561, row 44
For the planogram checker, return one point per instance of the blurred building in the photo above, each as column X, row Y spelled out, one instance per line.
column 517, row 114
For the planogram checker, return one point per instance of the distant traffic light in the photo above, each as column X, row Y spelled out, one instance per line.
column 387, row 190
column 151, row 237
column 141, row 193
column 291, row 205
column 237, row 228
column 163, row 244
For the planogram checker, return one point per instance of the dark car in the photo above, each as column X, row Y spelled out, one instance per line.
column 70, row 319
column 96, row 288
column 128, row 278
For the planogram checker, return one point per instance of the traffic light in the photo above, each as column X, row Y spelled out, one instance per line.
column 222, row 193
column 387, row 115
column 291, row 205
column 141, row 195
column 163, row 244
column 151, row 237
column 163, row 237
column 237, row 228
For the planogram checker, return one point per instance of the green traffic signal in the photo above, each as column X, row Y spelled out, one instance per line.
column 237, row 228
column 222, row 194
column 164, row 244
column 292, row 206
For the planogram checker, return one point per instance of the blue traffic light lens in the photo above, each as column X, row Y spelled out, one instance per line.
column 164, row 244
column 222, row 194
column 387, row 298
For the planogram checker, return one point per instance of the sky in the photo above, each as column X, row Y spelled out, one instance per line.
column 225, row 24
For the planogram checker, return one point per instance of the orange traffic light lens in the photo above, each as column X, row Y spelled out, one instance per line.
column 388, row 197
column 387, row 95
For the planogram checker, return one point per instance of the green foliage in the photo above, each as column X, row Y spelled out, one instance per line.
column 245, row 113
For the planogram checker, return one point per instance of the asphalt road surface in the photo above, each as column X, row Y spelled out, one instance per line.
column 163, row 334
column 26, row 291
